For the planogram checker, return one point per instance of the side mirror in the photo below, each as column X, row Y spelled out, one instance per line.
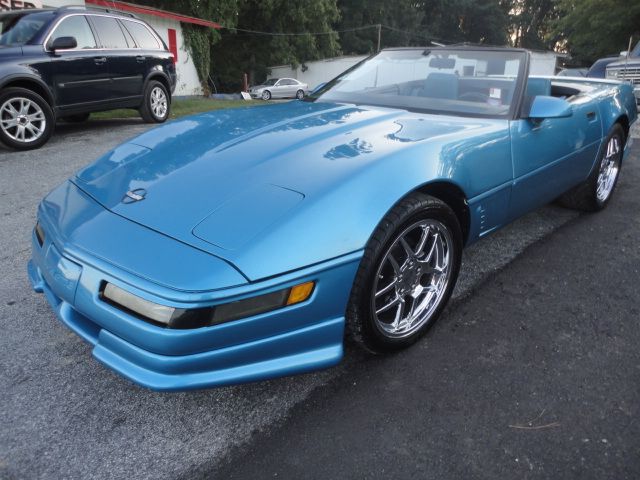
column 624, row 53
column 549, row 107
column 63, row 43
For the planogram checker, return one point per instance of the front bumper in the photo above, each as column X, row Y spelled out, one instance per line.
column 292, row 340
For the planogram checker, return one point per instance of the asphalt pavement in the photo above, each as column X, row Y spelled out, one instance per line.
column 63, row 415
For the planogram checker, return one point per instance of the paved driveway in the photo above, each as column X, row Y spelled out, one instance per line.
column 62, row 415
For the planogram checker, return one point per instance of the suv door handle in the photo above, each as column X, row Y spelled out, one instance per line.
column 100, row 60
column 141, row 58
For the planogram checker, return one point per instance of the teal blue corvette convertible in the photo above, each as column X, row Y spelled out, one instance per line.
column 241, row 245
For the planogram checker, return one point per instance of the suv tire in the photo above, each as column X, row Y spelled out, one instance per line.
column 26, row 119
column 156, row 104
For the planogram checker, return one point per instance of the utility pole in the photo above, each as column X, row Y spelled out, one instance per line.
column 379, row 35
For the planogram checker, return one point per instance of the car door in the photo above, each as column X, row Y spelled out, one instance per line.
column 80, row 75
column 552, row 155
column 279, row 90
column 284, row 88
column 291, row 87
column 127, row 66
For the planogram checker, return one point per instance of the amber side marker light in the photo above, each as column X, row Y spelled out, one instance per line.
column 300, row 293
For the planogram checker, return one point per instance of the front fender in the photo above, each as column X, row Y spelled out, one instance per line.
column 25, row 75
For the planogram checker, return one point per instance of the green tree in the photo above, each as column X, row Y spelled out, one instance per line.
column 398, row 18
column 475, row 21
column 532, row 23
column 253, row 53
column 589, row 29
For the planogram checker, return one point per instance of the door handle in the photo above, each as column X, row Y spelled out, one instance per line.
column 100, row 60
column 141, row 58
column 591, row 115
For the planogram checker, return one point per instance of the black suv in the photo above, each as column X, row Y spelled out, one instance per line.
column 66, row 63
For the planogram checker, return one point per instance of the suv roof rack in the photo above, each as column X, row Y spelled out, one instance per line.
column 97, row 9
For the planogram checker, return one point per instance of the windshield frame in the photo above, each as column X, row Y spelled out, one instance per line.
column 514, row 108
column 19, row 14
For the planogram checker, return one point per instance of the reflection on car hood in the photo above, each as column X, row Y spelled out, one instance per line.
column 249, row 168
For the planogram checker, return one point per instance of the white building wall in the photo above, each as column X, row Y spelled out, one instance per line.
column 61, row 3
column 543, row 63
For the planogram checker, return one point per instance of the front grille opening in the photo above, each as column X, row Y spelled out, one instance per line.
column 39, row 234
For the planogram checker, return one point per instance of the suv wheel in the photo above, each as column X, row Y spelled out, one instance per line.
column 26, row 119
column 156, row 105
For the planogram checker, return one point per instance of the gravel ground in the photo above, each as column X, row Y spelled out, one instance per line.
column 65, row 416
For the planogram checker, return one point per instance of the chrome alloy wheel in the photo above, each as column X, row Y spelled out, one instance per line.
column 159, row 104
column 609, row 169
column 412, row 278
column 22, row 120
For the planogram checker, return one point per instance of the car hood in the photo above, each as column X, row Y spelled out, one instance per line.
column 219, row 180
column 622, row 63
column 7, row 51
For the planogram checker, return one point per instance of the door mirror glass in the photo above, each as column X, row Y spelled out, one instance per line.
column 549, row 107
column 64, row 43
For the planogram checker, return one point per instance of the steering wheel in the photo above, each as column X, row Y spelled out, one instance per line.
column 475, row 97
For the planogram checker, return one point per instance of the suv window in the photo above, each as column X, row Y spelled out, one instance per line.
column 77, row 27
column 130, row 40
column 19, row 28
column 109, row 32
column 144, row 38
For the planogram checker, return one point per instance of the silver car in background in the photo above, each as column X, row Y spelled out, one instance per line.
column 280, row 88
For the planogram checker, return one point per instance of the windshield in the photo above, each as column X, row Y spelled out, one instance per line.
column 458, row 81
column 20, row 28
column 270, row 82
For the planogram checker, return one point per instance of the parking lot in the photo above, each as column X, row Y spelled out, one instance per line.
column 65, row 416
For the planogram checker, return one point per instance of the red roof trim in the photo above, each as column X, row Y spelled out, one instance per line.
column 129, row 7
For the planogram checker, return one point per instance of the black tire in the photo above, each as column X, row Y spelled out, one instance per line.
column 362, row 325
column 300, row 94
column 79, row 118
column 585, row 196
column 151, row 111
column 45, row 126
column 266, row 95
